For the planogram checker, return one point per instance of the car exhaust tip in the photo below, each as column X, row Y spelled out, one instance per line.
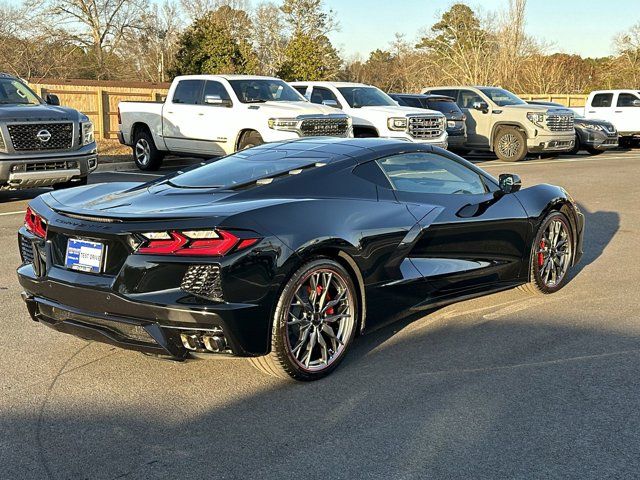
column 213, row 341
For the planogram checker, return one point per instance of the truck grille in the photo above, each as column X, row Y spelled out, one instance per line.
column 41, row 136
column 46, row 166
column 325, row 127
column 560, row 123
column 424, row 127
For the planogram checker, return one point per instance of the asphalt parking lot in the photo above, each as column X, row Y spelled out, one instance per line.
column 505, row 386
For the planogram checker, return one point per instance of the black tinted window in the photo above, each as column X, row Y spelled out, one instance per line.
column 216, row 89
column 444, row 106
column 430, row 173
column 626, row 100
column 301, row 90
column 320, row 94
column 188, row 91
column 447, row 93
column 13, row 91
column 602, row 100
column 412, row 102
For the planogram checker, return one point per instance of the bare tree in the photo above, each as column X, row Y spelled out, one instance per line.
column 627, row 64
column 195, row 9
column 269, row 37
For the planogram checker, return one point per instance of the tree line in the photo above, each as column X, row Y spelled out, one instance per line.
column 146, row 41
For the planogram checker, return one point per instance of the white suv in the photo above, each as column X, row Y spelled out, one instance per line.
column 376, row 114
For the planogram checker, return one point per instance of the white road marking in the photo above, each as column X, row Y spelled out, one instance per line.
column 494, row 163
column 130, row 173
column 12, row 213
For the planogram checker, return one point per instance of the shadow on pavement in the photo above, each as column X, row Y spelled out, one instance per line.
column 600, row 228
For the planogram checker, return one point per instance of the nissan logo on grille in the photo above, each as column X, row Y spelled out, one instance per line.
column 44, row 136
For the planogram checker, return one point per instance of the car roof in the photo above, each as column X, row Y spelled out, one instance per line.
column 332, row 84
column 421, row 95
column 225, row 77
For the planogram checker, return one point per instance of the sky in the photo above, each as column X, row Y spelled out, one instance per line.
column 584, row 27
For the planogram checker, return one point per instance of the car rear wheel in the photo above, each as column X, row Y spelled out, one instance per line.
column 314, row 323
column 145, row 153
column 250, row 139
column 510, row 145
column 551, row 255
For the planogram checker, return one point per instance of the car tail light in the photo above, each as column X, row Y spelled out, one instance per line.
column 208, row 243
column 35, row 223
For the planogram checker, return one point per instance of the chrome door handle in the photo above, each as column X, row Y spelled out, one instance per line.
column 618, row 111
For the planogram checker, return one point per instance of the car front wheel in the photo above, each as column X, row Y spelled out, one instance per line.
column 510, row 145
column 314, row 323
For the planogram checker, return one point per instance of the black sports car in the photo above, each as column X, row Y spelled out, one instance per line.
column 286, row 251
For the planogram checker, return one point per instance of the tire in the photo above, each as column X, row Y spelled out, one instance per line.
column 145, row 153
column 250, row 139
column 302, row 347
column 510, row 144
column 594, row 151
column 70, row 184
column 576, row 147
column 546, row 253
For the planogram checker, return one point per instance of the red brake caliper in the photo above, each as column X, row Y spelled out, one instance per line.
column 540, row 254
column 319, row 292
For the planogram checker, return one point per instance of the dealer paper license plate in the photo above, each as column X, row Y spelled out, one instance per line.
column 84, row 255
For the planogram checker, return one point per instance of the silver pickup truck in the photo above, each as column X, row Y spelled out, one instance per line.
column 41, row 143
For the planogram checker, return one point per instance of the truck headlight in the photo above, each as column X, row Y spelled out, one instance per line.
column 537, row 118
column 397, row 123
column 286, row 124
column 87, row 133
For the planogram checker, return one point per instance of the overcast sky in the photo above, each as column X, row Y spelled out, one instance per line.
column 585, row 27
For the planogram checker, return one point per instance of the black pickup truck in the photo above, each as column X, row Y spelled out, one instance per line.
column 41, row 143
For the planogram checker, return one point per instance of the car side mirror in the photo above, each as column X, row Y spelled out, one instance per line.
column 509, row 182
column 482, row 106
column 217, row 100
column 330, row 103
column 52, row 99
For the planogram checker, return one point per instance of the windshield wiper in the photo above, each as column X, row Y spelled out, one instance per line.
column 255, row 101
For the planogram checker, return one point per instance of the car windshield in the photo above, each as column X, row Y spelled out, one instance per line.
column 443, row 105
column 15, row 92
column 502, row 97
column 358, row 97
column 239, row 168
column 265, row 90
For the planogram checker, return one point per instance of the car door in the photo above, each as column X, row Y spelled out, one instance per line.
column 180, row 117
column 214, row 119
column 601, row 107
column 478, row 120
column 472, row 237
column 627, row 113
column 324, row 96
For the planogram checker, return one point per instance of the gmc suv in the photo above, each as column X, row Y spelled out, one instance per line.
column 41, row 143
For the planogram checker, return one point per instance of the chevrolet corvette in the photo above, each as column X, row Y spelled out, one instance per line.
column 285, row 252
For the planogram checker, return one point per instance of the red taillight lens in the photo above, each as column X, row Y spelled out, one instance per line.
column 35, row 223
column 215, row 244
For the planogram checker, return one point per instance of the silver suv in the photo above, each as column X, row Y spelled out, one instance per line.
column 41, row 143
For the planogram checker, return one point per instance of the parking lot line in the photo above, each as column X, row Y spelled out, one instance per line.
column 494, row 163
column 12, row 213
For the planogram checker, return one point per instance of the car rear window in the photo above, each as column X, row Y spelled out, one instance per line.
column 443, row 105
column 239, row 169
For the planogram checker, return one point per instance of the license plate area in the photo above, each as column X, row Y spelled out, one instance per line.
column 85, row 255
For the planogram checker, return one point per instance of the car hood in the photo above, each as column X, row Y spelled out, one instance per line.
column 394, row 111
column 292, row 109
column 537, row 108
column 36, row 113
column 160, row 199
column 594, row 121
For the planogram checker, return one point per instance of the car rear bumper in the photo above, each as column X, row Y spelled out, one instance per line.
column 46, row 169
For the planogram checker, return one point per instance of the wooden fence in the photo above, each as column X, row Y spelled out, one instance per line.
column 99, row 100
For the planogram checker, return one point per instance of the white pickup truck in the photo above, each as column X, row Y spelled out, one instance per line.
column 212, row 115
column 376, row 114
column 619, row 107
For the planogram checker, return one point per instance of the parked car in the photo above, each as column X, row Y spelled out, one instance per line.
column 215, row 115
column 594, row 136
column 456, row 127
column 41, row 143
column 499, row 121
column 286, row 251
column 375, row 114
column 620, row 107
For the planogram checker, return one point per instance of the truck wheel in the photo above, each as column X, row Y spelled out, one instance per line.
column 250, row 139
column 71, row 183
column 594, row 151
column 510, row 145
column 576, row 146
column 145, row 153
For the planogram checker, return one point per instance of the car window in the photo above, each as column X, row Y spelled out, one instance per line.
column 468, row 98
column 502, row 97
column 321, row 94
column 188, row 92
column 265, row 90
column 217, row 89
column 409, row 102
column 358, row 97
column 602, row 100
column 626, row 100
column 430, row 173
column 443, row 105
column 302, row 90
column 14, row 92
column 447, row 93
